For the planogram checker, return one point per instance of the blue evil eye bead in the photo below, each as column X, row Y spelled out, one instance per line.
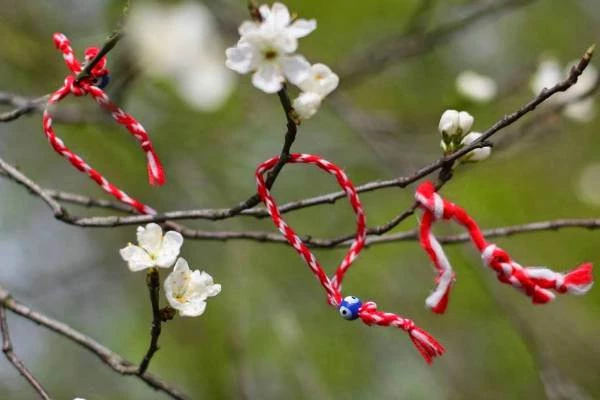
column 349, row 307
column 102, row 82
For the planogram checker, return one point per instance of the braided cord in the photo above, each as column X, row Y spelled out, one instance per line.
column 350, row 307
column 535, row 282
column 87, row 86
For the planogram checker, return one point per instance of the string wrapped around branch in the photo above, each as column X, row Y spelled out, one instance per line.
column 536, row 282
column 349, row 307
column 92, row 85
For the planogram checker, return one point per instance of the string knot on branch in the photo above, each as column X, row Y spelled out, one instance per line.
column 92, row 83
column 535, row 282
column 348, row 307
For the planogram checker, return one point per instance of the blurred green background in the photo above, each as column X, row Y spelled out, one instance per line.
column 270, row 334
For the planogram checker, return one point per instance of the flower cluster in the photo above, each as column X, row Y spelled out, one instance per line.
column 267, row 49
column 455, row 128
column 186, row 290
column 579, row 109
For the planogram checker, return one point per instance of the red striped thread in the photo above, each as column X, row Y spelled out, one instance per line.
column 535, row 282
column 368, row 313
column 155, row 170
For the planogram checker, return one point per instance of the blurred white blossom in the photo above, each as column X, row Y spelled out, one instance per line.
column 549, row 73
column 267, row 49
column 588, row 185
column 476, row 154
column 181, row 42
column 476, row 87
column 154, row 250
column 319, row 83
column 454, row 123
column 188, row 290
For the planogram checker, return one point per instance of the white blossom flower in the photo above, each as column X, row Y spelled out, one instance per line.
column 319, row 83
column 549, row 73
column 307, row 104
column 267, row 48
column 321, row 80
column 476, row 154
column 181, row 42
column 454, row 123
column 154, row 250
column 188, row 290
column 476, row 87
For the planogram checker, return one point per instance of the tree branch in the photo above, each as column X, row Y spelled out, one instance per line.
column 107, row 356
column 444, row 164
column 153, row 282
column 15, row 361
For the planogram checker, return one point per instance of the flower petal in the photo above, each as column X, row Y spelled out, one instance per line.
column 268, row 78
column 295, row 68
column 181, row 265
column 136, row 257
column 176, row 283
column 192, row 308
column 171, row 245
column 150, row 237
column 302, row 27
column 241, row 58
column 280, row 16
column 248, row 27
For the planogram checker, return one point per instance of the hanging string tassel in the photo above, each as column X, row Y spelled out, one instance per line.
column 535, row 282
column 349, row 307
column 422, row 340
column 93, row 85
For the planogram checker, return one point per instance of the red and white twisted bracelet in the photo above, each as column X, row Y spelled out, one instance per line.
column 535, row 282
column 91, row 85
column 349, row 307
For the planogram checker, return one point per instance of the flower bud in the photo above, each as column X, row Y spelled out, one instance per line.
column 307, row 104
column 454, row 123
column 476, row 154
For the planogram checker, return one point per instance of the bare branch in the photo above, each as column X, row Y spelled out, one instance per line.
column 444, row 164
column 23, row 105
column 153, row 282
column 15, row 361
column 107, row 356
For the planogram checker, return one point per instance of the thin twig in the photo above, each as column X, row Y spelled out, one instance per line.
column 23, row 105
column 108, row 45
column 153, row 282
column 107, row 356
column 15, row 361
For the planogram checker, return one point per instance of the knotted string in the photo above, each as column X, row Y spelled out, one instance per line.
column 535, row 282
column 92, row 85
column 349, row 307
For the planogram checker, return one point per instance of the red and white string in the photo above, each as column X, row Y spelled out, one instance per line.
column 426, row 344
column 87, row 86
column 535, row 282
